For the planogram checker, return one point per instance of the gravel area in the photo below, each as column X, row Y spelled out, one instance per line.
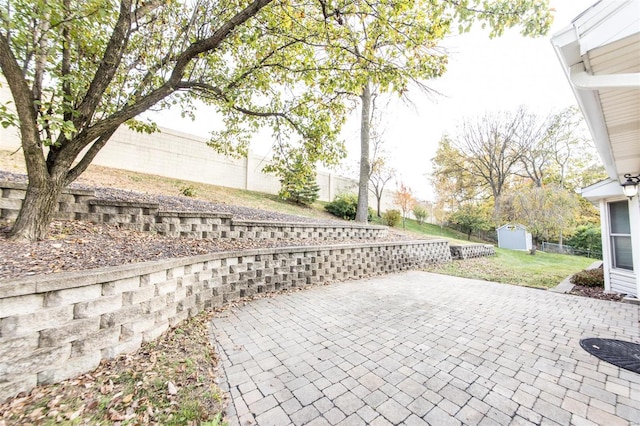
column 76, row 245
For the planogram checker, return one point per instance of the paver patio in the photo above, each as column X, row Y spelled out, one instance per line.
column 421, row 348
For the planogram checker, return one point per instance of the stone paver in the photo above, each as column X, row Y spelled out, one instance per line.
column 421, row 348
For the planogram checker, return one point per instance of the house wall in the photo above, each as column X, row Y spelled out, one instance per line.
column 621, row 280
column 58, row 326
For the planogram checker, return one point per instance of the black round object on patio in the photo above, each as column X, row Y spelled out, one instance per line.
column 617, row 352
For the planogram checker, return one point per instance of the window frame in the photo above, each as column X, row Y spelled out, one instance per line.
column 618, row 236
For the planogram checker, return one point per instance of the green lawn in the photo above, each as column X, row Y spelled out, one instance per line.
column 435, row 231
column 543, row 270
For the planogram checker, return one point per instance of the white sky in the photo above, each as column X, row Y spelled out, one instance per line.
column 484, row 75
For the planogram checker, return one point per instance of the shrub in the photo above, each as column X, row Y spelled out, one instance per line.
column 344, row 206
column 298, row 183
column 188, row 191
column 391, row 217
column 420, row 213
column 586, row 238
column 589, row 278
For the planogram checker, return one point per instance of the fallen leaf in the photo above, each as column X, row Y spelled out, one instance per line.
column 76, row 414
column 171, row 388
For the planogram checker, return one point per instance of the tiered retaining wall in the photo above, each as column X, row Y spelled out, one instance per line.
column 54, row 327
column 75, row 204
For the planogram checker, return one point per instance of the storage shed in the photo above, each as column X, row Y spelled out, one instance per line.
column 514, row 237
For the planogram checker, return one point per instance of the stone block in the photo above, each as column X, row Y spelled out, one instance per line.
column 141, row 324
column 95, row 342
column 75, row 330
column 16, row 385
column 138, row 295
column 13, row 193
column 155, row 332
column 155, row 304
column 72, row 295
column 121, row 316
column 18, row 305
column 19, row 345
column 36, row 361
column 186, row 303
column 72, row 368
column 10, row 203
column 24, row 325
column 166, row 313
column 180, row 293
column 97, row 307
column 178, row 318
column 131, row 345
column 9, row 214
column 154, row 278
column 120, row 286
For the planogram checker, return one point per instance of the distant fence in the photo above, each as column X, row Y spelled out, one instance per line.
column 564, row 249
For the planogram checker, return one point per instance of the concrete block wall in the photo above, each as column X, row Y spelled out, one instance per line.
column 71, row 201
column 58, row 326
column 472, row 250
column 77, row 204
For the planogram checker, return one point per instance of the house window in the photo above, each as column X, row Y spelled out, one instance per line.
column 620, row 231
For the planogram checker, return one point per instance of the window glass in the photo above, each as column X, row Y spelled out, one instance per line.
column 619, row 214
column 622, row 257
column 620, row 235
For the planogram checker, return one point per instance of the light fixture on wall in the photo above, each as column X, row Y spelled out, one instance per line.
column 630, row 186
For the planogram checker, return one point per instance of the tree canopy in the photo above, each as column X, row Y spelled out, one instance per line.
column 79, row 69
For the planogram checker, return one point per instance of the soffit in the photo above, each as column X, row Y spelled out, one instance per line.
column 620, row 107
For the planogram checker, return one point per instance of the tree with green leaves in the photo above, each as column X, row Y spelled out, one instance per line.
column 299, row 181
column 545, row 211
column 451, row 178
column 386, row 46
column 77, row 70
column 471, row 218
column 420, row 212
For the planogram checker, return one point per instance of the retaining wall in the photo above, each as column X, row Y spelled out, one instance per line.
column 76, row 204
column 54, row 327
column 472, row 250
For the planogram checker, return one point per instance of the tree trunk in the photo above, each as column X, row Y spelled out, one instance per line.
column 378, row 201
column 37, row 210
column 362, row 211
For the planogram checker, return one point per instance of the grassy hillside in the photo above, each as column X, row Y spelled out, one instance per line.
column 153, row 184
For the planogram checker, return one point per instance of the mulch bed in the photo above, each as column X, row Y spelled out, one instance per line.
column 77, row 246
column 595, row 293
